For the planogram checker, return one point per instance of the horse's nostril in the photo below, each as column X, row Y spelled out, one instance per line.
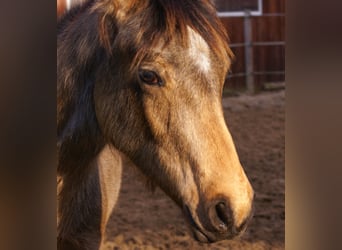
column 223, row 216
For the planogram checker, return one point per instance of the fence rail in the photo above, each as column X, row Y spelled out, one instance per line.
column 270, row 43
column 248, row 45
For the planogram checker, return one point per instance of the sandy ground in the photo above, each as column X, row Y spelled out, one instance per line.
column 143, row 220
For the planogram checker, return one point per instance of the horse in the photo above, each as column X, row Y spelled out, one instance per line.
column 144, row 80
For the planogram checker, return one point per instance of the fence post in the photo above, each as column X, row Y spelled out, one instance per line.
column 248, row 52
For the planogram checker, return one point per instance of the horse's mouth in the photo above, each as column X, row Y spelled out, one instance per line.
column 198, row 234
column 202, row 235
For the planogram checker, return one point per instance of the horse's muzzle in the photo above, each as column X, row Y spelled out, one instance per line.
column 218, row 223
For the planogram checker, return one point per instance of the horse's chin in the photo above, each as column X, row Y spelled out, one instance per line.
column 201, row 237
column 198, row 234
column 208, row 237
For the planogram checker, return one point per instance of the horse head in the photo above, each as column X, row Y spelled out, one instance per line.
column 157, row 98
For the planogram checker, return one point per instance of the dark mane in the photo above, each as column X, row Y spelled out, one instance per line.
column 165, row 19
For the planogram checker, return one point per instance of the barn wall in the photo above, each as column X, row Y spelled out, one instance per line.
column 266, row 58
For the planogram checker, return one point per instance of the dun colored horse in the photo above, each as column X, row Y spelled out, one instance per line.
column 144, row 80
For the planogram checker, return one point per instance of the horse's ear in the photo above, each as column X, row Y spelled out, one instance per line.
column 108, row 11
column 106, row 33
column 111, row 14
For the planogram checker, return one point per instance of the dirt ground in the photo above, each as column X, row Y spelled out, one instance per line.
column 143, row 220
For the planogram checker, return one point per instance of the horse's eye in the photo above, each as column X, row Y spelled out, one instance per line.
column 150, row 77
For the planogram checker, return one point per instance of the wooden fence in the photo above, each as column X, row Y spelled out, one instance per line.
column 258, row 43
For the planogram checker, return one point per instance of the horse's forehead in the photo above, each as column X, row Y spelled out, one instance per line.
column 199, row 51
